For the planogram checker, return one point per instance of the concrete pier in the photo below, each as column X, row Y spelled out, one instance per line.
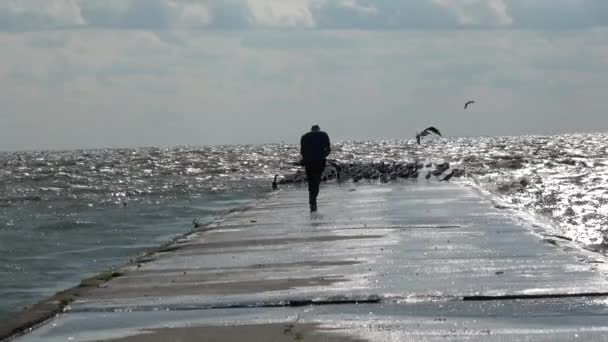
column 422, row 261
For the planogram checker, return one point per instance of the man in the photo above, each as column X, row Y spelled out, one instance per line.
column 314, row 148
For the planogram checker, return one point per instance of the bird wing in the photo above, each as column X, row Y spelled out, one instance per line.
column 467, row 104
column 432, row 129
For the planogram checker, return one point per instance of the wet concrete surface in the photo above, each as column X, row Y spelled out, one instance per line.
column 420, row 262
column 531, row 320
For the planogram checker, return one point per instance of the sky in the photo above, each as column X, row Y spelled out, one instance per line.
column 123, row 73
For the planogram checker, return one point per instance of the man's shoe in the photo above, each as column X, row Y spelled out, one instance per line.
column 313, row 208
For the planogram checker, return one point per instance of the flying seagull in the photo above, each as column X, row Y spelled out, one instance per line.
column 468, row 103
column 426, row 132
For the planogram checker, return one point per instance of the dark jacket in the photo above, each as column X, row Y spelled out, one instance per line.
column 314, row 146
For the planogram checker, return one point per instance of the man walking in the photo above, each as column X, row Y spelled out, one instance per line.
column 314, row 148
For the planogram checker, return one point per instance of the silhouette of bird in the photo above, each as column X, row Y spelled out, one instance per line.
column 448, row 176
column 459, row 172
column 414, row 172
column 337, row 167
column 274, row 183
column 426, row 132
column 438, row 172
column 441, row 168
column 444, row 165
column 468, row 103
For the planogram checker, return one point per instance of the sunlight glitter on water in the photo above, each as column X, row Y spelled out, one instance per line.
column 47, row 196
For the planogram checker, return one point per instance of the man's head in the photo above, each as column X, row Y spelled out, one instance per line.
column 315, row 128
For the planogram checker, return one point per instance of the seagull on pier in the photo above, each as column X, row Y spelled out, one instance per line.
column 448, row 176
column 441, row 168
column 274, row 183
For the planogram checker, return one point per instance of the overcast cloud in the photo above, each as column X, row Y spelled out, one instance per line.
column 17, row 15
column 93, row 73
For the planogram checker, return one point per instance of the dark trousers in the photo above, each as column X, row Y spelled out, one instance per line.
column 314, row 170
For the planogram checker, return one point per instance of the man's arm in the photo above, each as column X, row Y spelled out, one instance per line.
column 302, row 146
column 326, row 145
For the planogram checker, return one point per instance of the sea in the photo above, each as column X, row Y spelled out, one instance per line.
column 67, row 215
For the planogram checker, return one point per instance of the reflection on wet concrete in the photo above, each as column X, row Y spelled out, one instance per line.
column 382, row 263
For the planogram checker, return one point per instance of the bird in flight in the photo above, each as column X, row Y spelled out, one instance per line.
column 468, row 103
column 426, row 132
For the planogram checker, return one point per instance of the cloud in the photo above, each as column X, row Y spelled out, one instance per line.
column 236, row 87
column 478, row 12
column 558, row 14
column 37, row 14
column 24, row 15
column 145, row 14
column 284, row 13
column 387, row 14
column 19, row 15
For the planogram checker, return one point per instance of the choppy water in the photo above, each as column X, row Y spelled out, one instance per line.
column 66, row 215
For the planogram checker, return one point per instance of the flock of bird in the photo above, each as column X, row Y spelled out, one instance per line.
column 381, row 171
column 384, row 172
